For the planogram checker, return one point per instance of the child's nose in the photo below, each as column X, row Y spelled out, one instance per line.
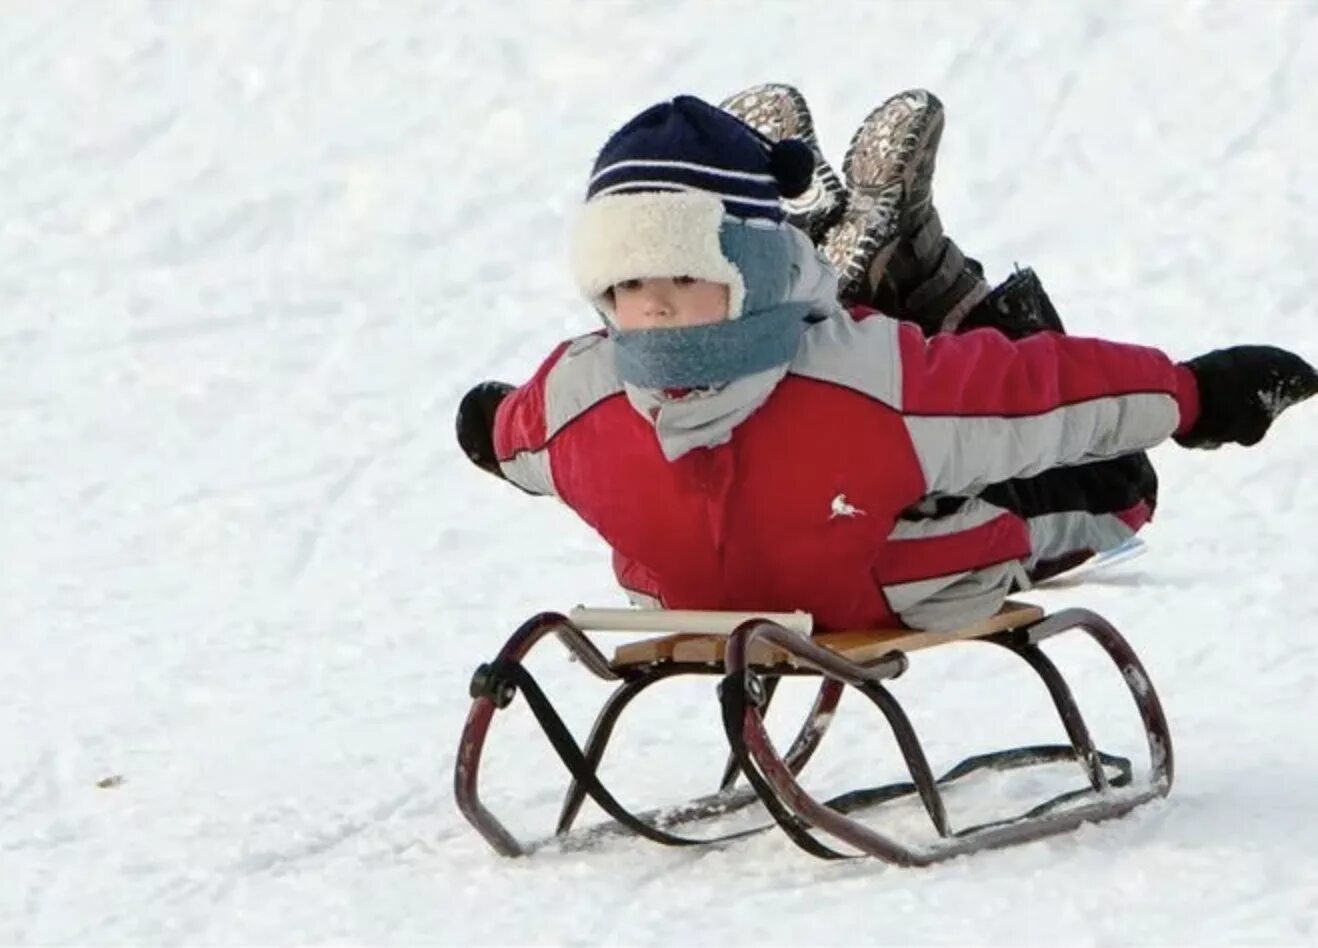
column 657, row 302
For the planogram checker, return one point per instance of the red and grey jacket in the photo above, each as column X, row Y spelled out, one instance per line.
column 813, row 501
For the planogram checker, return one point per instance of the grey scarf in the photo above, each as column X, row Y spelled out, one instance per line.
column 705, row 416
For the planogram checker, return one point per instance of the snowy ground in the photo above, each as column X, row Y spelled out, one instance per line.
column 252, row 253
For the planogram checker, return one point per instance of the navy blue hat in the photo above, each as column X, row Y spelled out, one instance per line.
column 686, row 189
column 689, row 145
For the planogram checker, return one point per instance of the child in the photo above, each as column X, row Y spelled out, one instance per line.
column 743, row 441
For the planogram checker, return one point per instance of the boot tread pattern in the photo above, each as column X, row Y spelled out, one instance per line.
column 888, row 170
column 779, row 111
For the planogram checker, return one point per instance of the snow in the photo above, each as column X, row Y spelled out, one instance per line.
column 251, row 256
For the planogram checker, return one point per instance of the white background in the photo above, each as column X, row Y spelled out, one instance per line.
column 253, row 253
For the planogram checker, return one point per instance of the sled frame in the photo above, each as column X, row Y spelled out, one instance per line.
column 745, row 692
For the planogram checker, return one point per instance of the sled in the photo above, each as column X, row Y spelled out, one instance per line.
column 751, row 654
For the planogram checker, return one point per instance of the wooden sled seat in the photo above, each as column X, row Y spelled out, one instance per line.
column 859, row 646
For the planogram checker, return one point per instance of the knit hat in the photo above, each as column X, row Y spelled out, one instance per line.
column 686, row 189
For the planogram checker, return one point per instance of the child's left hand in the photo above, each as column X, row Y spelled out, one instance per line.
column 1241, row 392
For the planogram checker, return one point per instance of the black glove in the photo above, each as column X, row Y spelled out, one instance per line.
column 476, row 424
column 1241, row 391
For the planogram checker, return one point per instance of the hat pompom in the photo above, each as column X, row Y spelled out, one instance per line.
column 792, row 164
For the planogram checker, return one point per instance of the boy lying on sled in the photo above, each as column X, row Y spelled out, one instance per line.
column 747, row 434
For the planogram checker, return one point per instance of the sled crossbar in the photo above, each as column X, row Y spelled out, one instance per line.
column 751, row 660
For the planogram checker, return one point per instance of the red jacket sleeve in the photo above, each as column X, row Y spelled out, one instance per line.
column 981, row 408
column 521, row 431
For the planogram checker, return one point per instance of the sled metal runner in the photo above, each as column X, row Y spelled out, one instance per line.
column 751, row 661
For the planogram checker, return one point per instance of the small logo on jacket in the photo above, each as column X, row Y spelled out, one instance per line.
column 840, row 508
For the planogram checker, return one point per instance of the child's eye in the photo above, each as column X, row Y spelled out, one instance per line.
column 684, row 280
column 627, row 285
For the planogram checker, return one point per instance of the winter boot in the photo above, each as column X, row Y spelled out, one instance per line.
column 779, row 111
column 889, row 248
column 1018, row 307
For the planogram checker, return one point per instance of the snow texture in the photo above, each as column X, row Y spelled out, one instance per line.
column 253, row 253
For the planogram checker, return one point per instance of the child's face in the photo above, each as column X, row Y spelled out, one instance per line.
column 668, row 302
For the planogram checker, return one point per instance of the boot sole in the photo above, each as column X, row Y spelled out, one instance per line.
column 881, row 167
column 889, row 141
column 778, row 111
column 864, row 239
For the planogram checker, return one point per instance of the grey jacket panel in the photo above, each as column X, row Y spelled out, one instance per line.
column 530, row 471
column 582, row 377
column 861, row 355
column 962, row 454
column 951, row 602
column 1056, row 535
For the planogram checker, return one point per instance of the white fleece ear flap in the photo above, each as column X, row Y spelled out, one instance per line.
column 653, row 234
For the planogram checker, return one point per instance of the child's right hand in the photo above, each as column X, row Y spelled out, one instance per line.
column 1242, row 390
column 476, row 424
